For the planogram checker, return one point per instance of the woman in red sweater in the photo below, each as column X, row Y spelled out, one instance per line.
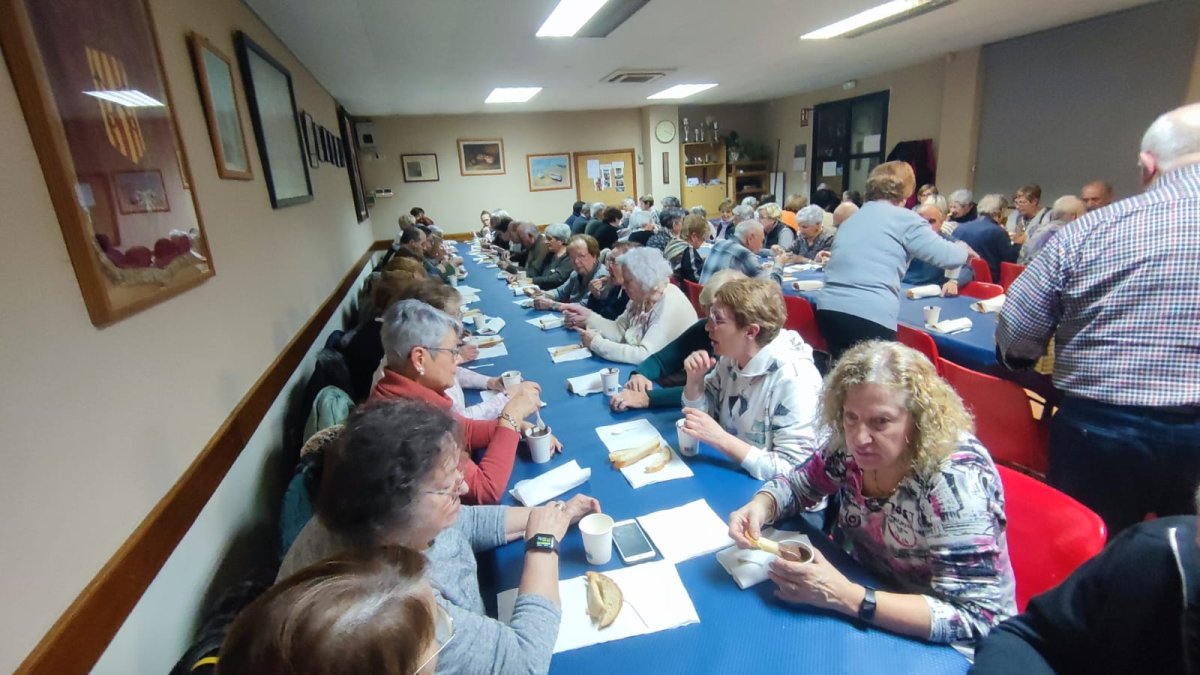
column 421, row 348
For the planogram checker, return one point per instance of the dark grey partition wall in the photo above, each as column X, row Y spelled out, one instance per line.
column 1070, row 104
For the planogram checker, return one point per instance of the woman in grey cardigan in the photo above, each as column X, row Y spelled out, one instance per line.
column 861, row 297
column 392, row 479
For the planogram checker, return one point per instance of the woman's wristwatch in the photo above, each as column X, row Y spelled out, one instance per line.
column 866, row 611
column 512, row 421
column 545, row 543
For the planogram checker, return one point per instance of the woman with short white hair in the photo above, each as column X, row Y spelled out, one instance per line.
column 657, row 313
column 553, row 270
column 813, row 238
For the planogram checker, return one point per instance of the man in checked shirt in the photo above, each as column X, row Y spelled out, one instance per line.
column 1119, row 289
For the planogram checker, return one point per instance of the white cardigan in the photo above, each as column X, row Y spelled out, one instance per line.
column 624, row 342
column 771, row 404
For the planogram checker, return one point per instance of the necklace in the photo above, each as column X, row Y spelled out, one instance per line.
column 879, row 491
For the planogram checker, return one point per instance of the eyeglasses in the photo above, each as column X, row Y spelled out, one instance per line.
column 443, row 633
column 453, row 350
column 453, row 489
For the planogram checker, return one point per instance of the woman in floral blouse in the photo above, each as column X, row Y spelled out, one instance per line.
column 922, row 506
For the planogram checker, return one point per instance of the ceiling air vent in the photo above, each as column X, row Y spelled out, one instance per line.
column 633, row 76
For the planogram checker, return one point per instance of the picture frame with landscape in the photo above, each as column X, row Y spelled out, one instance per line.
column 550, row 171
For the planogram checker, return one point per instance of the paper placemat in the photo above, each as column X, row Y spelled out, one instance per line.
column 585, row 385
column 546, row 321
column 748, row 567
column 687, row 531
column 527, row 303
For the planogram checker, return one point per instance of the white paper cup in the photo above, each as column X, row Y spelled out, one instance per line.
column 596, row 529
column 796, row 551
column 688, row 445
column 479, row 320
column 611, row 377
column 539, row 446
column 510, row 379
column 932, row 314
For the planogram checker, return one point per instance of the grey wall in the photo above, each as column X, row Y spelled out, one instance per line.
column 1069, row 105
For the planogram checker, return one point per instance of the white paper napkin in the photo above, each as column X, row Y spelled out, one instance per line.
column 560, row 355
column 492, row 326
column 803, row 267
column 808, row 285
column 948, row 326
column 490, row 265
column 536, row 491
column 637, row 434
column 502, row 275
column 527, row 303
column 989, row 306
column 585, row 385
column 748, row 567
column 468, row 290
column 926, row 291
column 546, row 321
column 486, row 395
column 654, row 600
column 520, row 290
column 687, row 531
column 492, row 352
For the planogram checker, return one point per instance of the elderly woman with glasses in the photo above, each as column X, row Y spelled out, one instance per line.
column 392, row 479
column 813, row 238
column 421, row 345
column 922, row 505
column 775, row 232
column 756, row 403
column 657, row 313
column 554, row 268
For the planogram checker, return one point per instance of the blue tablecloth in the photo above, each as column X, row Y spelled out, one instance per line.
column 739, row 631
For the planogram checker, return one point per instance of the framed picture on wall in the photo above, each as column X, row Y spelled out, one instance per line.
column 214, row 74
column 346, row 125
column 549, row 172
column 276, row 124
column 97, row 106
column 481, row 157
column 308, row 126
column 422, row 168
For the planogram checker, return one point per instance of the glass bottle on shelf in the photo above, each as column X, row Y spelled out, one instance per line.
column 687, row 132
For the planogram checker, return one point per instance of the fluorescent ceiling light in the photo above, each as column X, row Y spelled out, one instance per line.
column 889, row 12
column 683, row 90
column 569, row 17
column 130, row 98
column 512, row 94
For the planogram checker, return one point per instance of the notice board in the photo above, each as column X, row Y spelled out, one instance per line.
column 607, row 176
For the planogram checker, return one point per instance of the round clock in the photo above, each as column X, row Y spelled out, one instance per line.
column 664, row 131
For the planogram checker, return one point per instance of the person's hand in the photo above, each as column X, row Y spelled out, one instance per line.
column 640, row 383
column 556, row 446
column 510, row 278
column 746, row 523
column 587, row 336
column 579, row 506
column 597, row 286
column 817, row 583
column 697, row 365
column 822, row 257
column 950, row 289
column 628, row 399
column 495, row 384
column 549, row 519
column 467, row 352
column 574, row 321
column 523, row 400
column 576, row 309
column 971, row 254
column 782, row 259
column 542, row 302
column 777, row 250
column 1018, row 238
column 701, row 426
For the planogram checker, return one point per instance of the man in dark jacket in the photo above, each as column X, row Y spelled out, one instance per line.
column 605, row 230
column 987, row 236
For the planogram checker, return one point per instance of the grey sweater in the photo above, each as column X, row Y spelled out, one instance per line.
column 481, row 644
column 870, row 254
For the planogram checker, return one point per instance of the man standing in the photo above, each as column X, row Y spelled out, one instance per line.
column 1126, row 323
column 1096, row 194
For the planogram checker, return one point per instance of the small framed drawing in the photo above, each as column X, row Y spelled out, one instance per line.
column 310, row 140
column 549, row 172
column 481, row 157
column 214, row 74
column 276, row 124
column 420, row 168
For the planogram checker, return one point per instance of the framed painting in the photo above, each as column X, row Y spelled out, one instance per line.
column 94, row 96
column 307, row 126
column 422, row 168
column 214, row 75
column 481, row 157
column 549, row 172
column 346, row 124
column 276, row 124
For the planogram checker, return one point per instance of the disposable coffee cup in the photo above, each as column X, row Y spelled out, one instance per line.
column 511, row 379
column 611, row 377
column 539, row 444
column 596, row 529
column 688, row 445
column 796, row 551
column 932, row 314
column 479, row 320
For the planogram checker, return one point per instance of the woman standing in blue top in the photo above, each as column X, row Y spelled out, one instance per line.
column 861, row 297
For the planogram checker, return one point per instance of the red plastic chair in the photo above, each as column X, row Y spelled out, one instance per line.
column 1009, row 273
column 802, row 319
column 1049, row 534
column 693, row 292
column 982, row 271
column 981, row 290
column 1004, row 423
column 920, row 341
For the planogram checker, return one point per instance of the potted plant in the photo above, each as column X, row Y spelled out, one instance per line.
column 754, row 150
column 732, row 145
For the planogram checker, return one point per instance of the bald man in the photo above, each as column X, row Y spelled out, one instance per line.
column 1118, row 290
column 1096, row 194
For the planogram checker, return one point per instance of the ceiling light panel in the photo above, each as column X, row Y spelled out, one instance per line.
column 568, row 17
column 875, row 18
column 682, row 91
column 512, row 94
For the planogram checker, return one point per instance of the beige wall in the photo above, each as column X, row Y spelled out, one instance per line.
column 454, row 201
column 100, row 423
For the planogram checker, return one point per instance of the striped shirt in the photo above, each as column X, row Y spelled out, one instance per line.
column 1119, row 290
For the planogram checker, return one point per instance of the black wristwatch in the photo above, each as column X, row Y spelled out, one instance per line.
column 866, row 611
column 542, row 542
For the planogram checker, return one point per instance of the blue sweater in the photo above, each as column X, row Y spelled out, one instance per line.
column 870, row 255
column 990, row 241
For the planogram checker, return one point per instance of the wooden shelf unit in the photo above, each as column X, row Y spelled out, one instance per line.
column 748, row 177
column 710, row 166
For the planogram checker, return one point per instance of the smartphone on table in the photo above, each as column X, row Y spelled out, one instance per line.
column 632, row 543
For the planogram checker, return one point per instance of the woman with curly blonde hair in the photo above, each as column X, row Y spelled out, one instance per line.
column 922, row 506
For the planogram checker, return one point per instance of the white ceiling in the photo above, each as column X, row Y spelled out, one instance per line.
column 408, row 57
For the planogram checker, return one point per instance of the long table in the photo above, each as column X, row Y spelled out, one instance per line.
column 739, row 631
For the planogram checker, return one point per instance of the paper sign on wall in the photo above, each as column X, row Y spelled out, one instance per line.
column 871, row 143
column 829, row 169
column 593, row 168
column 800, row 158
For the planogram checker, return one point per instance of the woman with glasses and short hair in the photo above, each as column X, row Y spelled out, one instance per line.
column 421, row 345
column 392, row 479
